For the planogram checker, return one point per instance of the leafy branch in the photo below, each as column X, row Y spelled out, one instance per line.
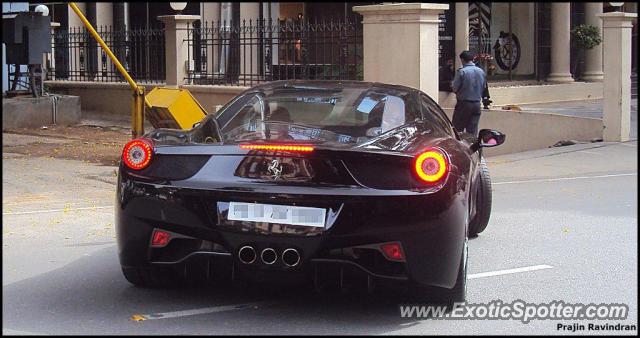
column 586, row 36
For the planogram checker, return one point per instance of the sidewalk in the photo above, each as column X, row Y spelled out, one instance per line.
column 573, row 160
column 587, row 108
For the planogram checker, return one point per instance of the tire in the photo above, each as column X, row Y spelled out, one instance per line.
column 480, row 220
column 430, row 294
column 154, row 277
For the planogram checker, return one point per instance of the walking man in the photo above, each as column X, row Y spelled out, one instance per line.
column 468, row 84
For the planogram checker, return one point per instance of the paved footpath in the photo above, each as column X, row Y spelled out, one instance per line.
column 583, row 108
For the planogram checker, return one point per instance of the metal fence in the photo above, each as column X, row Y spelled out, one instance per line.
column 249, row 52
column 78, row 57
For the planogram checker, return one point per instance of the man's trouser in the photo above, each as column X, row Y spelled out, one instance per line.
column 466, row 116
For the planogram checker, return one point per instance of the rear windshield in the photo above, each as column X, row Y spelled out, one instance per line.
column 354, row 112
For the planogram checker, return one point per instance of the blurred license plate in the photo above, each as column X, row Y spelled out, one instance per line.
column 271, row 213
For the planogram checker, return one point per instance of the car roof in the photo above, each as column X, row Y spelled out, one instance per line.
column 326, row 84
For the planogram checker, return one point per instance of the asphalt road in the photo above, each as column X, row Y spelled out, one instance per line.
column 570, row 213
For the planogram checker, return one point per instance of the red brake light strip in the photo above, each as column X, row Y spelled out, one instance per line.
column 278, row 147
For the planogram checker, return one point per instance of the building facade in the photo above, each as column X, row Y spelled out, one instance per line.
column 523, row 41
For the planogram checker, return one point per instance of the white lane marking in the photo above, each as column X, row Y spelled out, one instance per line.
column 564, row 179
column 12, row 332
column 54, row 210
column 589, row 152
column 213, row 309
column 509, row 271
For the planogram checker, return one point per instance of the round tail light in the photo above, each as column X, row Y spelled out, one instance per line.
column 137, row 153
column 431, row 165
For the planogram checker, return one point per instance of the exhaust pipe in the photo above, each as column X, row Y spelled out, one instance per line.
column 291, row 257
column 247, row 254
column 268, row 256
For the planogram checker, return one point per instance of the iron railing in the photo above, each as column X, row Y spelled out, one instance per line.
column 78, row 57
column 249, row 52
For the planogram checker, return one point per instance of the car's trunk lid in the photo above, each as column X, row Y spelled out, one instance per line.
column 382, row 162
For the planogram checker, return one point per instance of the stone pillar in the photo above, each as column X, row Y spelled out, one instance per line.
column 210, row 19
column 104, row 23
column 77, row 56
column 176, row 47
column 51, row 57
column 593, row 57
column 74, row 20
column 617, row 75
column 210, row 11
column 249, row 10
column 560, row 42
column 401, row 44
column 275, row 15
column 104, row 14
column 249, row 13
column 462, row 30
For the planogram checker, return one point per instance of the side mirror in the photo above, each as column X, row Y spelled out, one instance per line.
column 490, row 138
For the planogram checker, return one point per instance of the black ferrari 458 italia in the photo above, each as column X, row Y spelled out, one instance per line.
column 307, row 182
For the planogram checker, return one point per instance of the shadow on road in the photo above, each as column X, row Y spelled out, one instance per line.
column 90, row 296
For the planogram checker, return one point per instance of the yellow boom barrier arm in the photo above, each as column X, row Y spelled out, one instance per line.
column 139, row 99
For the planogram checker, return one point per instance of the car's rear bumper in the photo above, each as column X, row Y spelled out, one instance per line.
column 430, row 228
